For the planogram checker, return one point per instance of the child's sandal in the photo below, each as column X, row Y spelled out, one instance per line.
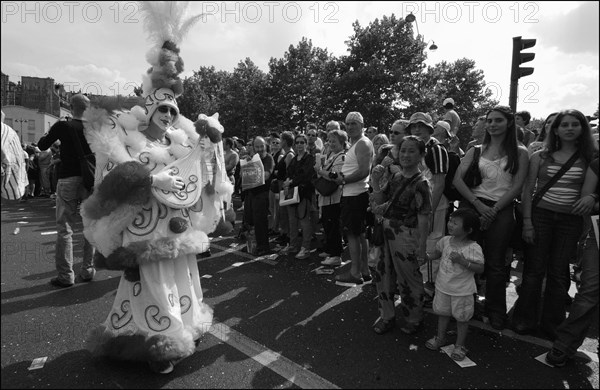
column 435, row 343
column 459, row 353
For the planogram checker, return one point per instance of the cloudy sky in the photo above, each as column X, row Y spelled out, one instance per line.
column 100, row 46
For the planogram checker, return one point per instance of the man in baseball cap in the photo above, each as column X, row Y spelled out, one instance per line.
column 451, row 116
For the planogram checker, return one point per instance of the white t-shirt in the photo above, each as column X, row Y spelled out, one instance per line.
column 452, row 278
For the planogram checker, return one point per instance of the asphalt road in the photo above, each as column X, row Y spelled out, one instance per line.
column 278, row 324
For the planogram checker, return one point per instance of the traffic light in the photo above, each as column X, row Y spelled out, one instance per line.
column 516, row 71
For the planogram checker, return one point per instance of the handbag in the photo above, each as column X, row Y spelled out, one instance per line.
column 324, row 186
column 87, row 163
column 274, row 186
column 377, row 238
column 289, row 197
column 539, row 194
column 472, row 176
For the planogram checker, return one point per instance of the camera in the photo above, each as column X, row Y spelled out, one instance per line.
column 333, row 175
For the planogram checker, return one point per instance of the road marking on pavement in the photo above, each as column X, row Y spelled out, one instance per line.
column 276, row 362
column 48, row 233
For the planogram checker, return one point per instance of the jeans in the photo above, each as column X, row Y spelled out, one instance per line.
column 571, row 332
column 256, row 210
column 69, row 193
column 299, row 214
column 333, row 232
column 494, row 241
column 556, row 236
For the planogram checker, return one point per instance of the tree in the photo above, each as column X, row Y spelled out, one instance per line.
column 243, row 100
column 294, row 90
column 458, row 80
column 203, row 92
column 382, row 70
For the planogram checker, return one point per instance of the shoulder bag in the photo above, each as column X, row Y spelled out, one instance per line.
column 324, row 186
column 539, row 194
column 472, row 176
column 87, row 163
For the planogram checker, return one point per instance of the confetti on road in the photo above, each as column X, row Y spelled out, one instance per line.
column 38, row 363
column 413, row 347
column 48, row 233
column 207, row 276
column 22, row 222
column 16, row 231
column 237, row 264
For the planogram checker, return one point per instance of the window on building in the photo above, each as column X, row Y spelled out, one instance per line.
column 31, row 123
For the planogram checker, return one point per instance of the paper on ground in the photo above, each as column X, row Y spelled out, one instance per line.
column 38, row 363
column 542, row 359
column 465, row 363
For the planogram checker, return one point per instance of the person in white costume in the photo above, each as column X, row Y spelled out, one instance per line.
column 161, row 187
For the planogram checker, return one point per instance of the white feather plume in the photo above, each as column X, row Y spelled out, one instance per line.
column 166, row 20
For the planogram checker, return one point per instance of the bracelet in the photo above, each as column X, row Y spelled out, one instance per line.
column 594, row 195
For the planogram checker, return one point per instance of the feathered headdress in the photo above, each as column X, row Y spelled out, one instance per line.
column 166, row 24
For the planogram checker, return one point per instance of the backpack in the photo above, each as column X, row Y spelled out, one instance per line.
column 449, row 190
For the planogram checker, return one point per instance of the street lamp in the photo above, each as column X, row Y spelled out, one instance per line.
column 21, row 120
column 412, row 18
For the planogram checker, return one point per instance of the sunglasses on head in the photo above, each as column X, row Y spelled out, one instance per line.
column 165, row 109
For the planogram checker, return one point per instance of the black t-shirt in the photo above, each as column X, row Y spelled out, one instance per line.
column 69, row 160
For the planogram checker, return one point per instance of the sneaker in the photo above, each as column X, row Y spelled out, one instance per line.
column 161, row 367
column 56, row 282
column 303, row 254
column 367, row 278
column 556, row 357
column 324, row 255
column 89, row 278
column 411, row 328
column 286, row 250
column 348, row 278
column 332, row 261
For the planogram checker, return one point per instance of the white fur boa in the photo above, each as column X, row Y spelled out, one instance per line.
column 115, row 139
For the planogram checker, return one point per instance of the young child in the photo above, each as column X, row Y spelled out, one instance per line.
column 461, row 257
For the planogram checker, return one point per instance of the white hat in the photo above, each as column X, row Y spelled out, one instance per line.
column 448, row 100
column 446, row 126
column 160, row 97
column 354, row 116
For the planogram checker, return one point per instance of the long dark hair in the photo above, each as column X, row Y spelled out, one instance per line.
column 585, row 142
column 510, row 143
column 543, row 134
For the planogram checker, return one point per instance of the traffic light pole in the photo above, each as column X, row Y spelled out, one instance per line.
column 514, row 75
column 517, row 72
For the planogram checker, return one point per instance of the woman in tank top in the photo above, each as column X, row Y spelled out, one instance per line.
column 503, row 165
column 553, row 226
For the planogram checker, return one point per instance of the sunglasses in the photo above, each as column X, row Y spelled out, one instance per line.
column 312, row 135
column 165, row 109
column 397, row 132
column 300, row 143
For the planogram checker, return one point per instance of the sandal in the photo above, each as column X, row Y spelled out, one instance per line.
column 435, row 343
column 383, row 326
column 459, row 353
